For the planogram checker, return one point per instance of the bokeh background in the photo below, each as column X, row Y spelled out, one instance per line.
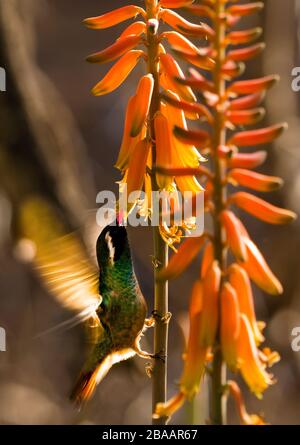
column 58, row 141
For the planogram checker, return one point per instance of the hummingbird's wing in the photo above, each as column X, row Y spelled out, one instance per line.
column 69, row 275
column 63, row 264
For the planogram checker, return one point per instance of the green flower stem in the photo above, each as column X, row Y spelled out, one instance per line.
column 218, row 400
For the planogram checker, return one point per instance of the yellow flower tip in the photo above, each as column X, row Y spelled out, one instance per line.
column 240, row 281
column 170, row 407
column 259, row 271
column 251, row 366
column 269, row 357
column 261, row 325
column 171, row 235
column 255, row 419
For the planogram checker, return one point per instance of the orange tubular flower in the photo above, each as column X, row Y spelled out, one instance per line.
column 255, row 137
column 136, row 29
column 172, row 71
column 245, row 117
column 251, row 367
column 180, row 24
column 253, row 86
column 210, row 315
column 173, row 4
column 178, row 41
column 245, row 102
column 128, row 142
column 259, row 271
column 118, row 73
column 142, row 104
column 230, row 325
column 241, row 55
column 247, row 160
column 194, row 359
column 243, row 10
column 243, row 37
column 116, row 50
column 234, row 235
column 187, row 252
column 240, row 281
column 198, row 138
column 196, row 354
column 254, row 181
column 207, row 259
column 192, row 110
column 114, row 17
column 262, row 209
column 164, row 148
column 137, row 165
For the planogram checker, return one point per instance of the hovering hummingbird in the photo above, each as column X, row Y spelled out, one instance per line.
column 108, row 300
column 121, row 313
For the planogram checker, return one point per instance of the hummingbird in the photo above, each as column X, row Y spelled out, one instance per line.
column 107, row 298
column 121, row 313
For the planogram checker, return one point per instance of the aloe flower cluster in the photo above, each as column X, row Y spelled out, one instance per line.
column 223, row 326
column 161, row 151
column 160, row 102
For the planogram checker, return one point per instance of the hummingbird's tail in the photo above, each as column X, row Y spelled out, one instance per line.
column 87, row 382
column 84, row 388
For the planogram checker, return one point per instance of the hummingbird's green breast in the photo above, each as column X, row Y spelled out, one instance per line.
column 123, row 308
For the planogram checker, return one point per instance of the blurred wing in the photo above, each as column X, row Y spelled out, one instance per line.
column 63, row 264
column 69, row 275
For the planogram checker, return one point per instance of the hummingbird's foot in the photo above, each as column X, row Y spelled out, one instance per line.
column 143, row 354
column 155, row 262
column 150, row 322
column 160, row 356
column 161, row 318
column 147, row 355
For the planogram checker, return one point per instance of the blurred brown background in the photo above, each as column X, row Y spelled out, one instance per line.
column 59, row 141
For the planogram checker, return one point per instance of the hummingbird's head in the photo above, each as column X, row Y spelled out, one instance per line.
column 112, row 245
